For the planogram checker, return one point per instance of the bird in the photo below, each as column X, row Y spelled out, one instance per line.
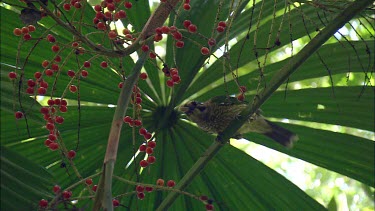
column 214, row 116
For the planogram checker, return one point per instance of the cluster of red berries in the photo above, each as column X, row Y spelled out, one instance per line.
column 149, row 149
column 208, row 202
column 172, row 74
column 25, row 31
column 186, row 5
column 107, row 11
column 141, row 191
column 241, row 96
column 170, row 183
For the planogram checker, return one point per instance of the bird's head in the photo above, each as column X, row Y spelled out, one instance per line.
column 194, row 109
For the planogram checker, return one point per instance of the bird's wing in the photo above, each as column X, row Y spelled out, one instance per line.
column 224, row 100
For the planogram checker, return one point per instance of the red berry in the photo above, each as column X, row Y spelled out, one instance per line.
column 44, row 110
column 139, row 188
column 53, row 146
column 30, row 90
column 56, row 189
column 52, row 137
column 55, row 48
column 142, row 148
column 149, row 150
column 121, row 14
column 58, row 58
column 170, row 83
column 42, row 90
column 186, row 6
column 138, row 100
column 66, row 7
column 151, row 159
column 18, row 115
column 209, row 207
column 87, row 64
column 171, row 183
column 143, row 163
column 94, row 188
column 84, row 73
column 127, row 119
column 180, row 44
column 45, row 63
column 12, row 75
column 112, row 34
column 51, row 38
column 25, row 30
column 148, row 189
column 211, row 42
column 241, row 97
column 55, row 67
column 220, row 29
column 43, row 203
column 160, row 182
column 173, row 71
column 137, row 122
column 147, row 136
column 115, row 203
column 205, row 51
column 77, row 5
column 67, row 194
column 57, row 101
column 120, row 85
column 141, row 195
column 43, row 84
column 222, row 24
column 26, row 36
column 143, row 76
column 111, row 7
column 165, row 29
column 104, row 64
column 128, row 5
column 142, row 131
column 49, row 72
column 101, row 26
column 158, row 30
column 37, row 75
column 192, row 28
column 71, row 73
column 73, row 88
column 51, row 102
column 17, row 31
column 186, row 23
column 88, row 181
column 71, row 154
column 151, row 144
column 203, row 198
column 59, row 119
column 177, row 35
column 31, row 28
column 63, row 102
column 242, row 89
column 158, row 37
column 176, row 79
column 152, row 55
column 98, row 8
column 63, row 109
column 145, row 48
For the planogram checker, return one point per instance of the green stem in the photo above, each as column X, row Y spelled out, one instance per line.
column 278, row 79
column 105, row 183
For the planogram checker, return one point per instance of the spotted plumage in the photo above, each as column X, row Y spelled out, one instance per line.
column 217, row 113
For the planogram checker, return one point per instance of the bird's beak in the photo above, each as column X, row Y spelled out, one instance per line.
column 184, row 108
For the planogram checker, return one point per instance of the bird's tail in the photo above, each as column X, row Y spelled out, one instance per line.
column 281, row 135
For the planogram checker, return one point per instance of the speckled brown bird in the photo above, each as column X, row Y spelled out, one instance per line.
column 215, row 115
